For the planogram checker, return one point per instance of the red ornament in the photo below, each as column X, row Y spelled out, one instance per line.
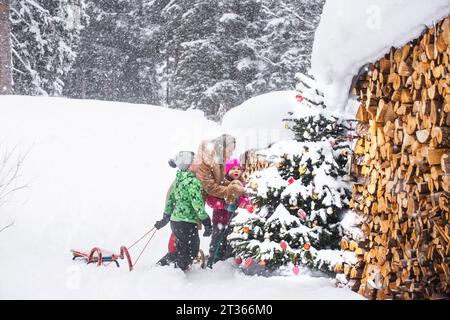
column 250, row 209
column 299, row 98
column 291, row 180
column 263, row 263
column 302, row 214
column 248, row 262
column 296, row 270
column 283, row 245
column 307, row 246
column 238, row 260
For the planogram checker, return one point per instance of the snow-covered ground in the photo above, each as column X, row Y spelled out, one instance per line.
column 97, row 175
column 352, row 33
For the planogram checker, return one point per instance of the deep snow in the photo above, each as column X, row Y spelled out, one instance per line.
column 258, row 122
column 97, row 175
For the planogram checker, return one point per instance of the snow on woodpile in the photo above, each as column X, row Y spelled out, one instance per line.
column 355, row 32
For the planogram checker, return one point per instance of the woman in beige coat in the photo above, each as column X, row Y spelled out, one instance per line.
column 211, row 158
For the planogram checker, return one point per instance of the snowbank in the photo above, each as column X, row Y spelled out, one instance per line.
column 97, row 175
column 258, row 122
column 352, row 33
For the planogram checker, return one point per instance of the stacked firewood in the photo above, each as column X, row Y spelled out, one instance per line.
column 402, row 159
column 253, row 161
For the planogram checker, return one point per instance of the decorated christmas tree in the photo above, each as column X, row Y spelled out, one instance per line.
column 300, row 200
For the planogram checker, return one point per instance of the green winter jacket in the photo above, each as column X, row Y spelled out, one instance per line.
column 185, row 200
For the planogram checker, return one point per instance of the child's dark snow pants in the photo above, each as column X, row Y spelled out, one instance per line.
column 219, row 234
column 187, row 243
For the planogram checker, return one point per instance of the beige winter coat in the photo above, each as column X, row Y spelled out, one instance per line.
column 212, row 176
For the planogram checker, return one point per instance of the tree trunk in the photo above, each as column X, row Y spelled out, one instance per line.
column 5, row 49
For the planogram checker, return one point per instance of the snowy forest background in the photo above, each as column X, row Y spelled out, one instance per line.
column 210, row 55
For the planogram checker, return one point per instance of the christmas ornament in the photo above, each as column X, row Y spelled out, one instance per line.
column 245, row 229
column 263, row 263
column 294, row 202
column 254, row 185
column 332, row 142
column 283, row 245
column 307, row 246
column 238, row 260
column 315, row 196
column 286, row 126
column 296, row 270
column 291, row 180
column 278, row 165
column 301, row 214
column 250, row 209
column 302, row 169
column 248, row 262
column 299, row 98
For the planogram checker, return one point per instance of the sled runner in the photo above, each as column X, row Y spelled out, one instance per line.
column 104, row 257
column 100, row 256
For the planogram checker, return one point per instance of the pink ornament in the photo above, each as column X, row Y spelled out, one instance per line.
column 332, row 142
column 238, row 260
column 291, row 180
column 250, row 209
column 283, row 245
column 302, row 214
column 296, row 270
column 299, row 98
column 248, row 262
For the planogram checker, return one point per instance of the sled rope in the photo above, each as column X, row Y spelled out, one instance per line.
column 145, row 247
column 142, row 238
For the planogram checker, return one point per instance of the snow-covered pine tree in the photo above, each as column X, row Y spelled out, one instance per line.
column 45, row 37
column 285, row 42
column 210, row 55
column 201, row 77
column 119, row 53
column 220, row 53
column 299, row 200
column 5, row 49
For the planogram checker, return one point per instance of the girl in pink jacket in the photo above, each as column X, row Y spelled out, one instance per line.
column 219, row 248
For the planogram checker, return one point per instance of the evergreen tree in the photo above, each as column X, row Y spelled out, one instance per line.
column 45, row 38
column 287, row 40
column 300, row 199
column 210, row 55
column 118, row 54
column 201, row 77
column 5, row 49
column 227, row 52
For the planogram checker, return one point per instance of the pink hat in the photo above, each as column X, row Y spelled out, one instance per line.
column 229, row 164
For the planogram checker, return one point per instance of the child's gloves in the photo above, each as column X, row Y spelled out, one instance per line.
column 161, row 223
column 208, row 227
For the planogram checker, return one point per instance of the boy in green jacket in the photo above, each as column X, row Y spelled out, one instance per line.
column 184, row 208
